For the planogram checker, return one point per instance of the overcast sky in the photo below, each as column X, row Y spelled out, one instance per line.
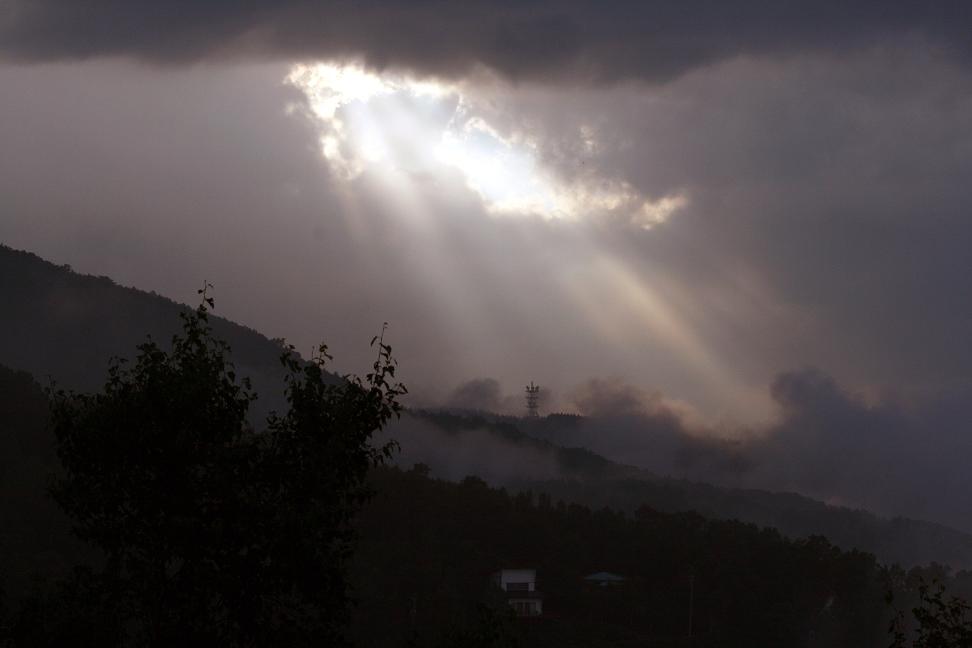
column 694, row 198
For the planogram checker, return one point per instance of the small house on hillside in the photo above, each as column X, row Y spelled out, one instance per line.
column 520, row 588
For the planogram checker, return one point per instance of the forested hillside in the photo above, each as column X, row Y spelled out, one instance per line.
column 578, row 475
column 428, row 547
column 59, row 324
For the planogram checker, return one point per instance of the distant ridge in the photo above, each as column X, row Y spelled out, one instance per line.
column 586, row 478
column 57, row 323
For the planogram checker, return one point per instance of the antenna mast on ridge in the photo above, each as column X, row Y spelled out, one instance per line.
column 532, row 400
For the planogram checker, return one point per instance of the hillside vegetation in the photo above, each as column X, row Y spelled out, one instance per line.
column 66, row 326
column 581, row 476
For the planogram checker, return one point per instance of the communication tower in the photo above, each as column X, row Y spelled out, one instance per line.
column 532, row 400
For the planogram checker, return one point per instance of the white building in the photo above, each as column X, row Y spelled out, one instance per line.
column 520, row 586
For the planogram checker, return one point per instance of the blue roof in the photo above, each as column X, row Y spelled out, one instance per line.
column 604, row 576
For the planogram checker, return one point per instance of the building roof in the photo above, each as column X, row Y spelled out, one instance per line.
column 605, row 577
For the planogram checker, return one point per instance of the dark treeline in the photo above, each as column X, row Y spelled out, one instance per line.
column 428, row 547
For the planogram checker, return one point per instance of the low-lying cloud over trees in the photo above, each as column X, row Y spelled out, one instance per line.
column 882, row 454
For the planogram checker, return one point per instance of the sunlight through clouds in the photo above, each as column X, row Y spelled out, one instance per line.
column 504, row 175
column 412, row 144
column 388, row 124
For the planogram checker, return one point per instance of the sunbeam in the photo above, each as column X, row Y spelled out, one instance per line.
column 422, row 150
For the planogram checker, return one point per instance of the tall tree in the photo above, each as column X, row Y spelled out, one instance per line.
column 211, row 530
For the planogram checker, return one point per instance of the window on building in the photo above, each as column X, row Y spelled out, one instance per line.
column 518, row 587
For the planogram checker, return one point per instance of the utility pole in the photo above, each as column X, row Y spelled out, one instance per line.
column 691, row 602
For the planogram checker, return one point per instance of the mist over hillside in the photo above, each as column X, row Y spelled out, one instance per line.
column 499, row 449
column 894, row 456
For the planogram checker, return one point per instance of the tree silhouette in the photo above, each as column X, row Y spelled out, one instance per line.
column 211, row 530
column 941, row 621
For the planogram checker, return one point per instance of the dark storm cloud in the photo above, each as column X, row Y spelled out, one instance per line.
column 540, row 39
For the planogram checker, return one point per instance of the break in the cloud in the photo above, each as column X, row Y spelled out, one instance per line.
column 520, row 40
column 395, row 124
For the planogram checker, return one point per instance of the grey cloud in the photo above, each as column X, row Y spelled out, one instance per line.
column 488, row 395
column 455, row 455
column 540, row 39
column 611, row 397
column 632, row 425
column 477, row 394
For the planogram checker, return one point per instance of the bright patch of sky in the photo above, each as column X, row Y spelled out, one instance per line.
column 392, row 123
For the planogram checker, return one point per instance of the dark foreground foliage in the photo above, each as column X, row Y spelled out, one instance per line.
column 940, row 619
column 208, row 530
